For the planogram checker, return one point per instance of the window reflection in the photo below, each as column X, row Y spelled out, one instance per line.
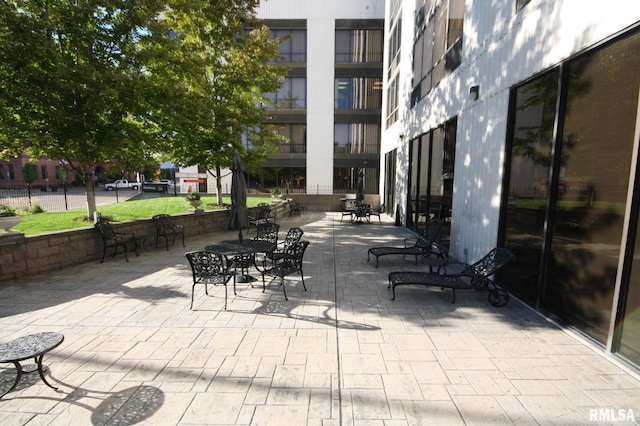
column 356, row 138
column 358, row 93
column 292, row 94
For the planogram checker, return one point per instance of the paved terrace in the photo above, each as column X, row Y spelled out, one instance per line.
column 341, row 353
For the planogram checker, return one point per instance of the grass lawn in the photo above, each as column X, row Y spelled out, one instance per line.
column 117, row 212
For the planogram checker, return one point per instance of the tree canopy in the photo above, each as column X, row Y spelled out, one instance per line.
column 92, row 81
column 220, row 108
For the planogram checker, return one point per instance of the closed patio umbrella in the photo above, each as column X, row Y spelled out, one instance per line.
column 238, row 216
column 360, row 193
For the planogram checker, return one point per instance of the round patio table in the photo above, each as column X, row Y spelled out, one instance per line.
column 240, row 247
column 31, row 346
column 232, row 247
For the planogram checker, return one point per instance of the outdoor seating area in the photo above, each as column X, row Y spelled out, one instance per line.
column 323, row 343
column 358, row 212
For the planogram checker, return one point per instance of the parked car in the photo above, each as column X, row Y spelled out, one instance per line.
column 168, row 182
column 121, row 184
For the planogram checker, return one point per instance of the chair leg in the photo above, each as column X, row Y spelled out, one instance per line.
column 302, row 276
column 284, row 289
column 193, row 286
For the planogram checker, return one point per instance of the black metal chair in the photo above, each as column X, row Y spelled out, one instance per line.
column 267, row 231
column 166, row 228
column 373, row 212
column 295, row 207
column 472, row 277
column 293, row 236
column 209, row 268
column 426, row 244
column 263, row 215
column 113, row 239
column 290, row 264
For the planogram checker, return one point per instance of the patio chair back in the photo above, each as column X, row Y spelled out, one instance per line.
column 267, row 231
column 166, row 228
column 111, row 239
column 292, row 237
column 429, row 237
column 491, row 263
column 290, row 264
column 208, row 268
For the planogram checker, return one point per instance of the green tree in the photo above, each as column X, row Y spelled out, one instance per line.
column 74, row 85
column 30, row 174
column 220, row 107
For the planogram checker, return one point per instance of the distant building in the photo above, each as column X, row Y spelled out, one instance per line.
column 330, row 103
column 50, row 173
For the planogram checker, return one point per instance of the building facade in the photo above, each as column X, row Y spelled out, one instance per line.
column 330, row 103
column 518, row 123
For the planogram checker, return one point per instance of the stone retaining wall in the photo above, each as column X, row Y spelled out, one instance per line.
column 23, row 256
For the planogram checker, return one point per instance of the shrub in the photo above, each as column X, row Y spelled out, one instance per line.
column 7, row 211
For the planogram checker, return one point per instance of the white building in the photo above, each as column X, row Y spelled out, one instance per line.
column 330, row 102
column 517, row 122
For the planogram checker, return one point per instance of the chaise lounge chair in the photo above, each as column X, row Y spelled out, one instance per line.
column 425, row 245
column 472, row 277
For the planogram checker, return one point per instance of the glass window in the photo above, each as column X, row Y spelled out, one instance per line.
column 11, row 172
column 2, row 176
column 292, row 94
column 358, row 46
column 346, row 179
column 597, row 142
column 535, row 105
column 288, row 179
column 358, row 93
column 43, row 169
column 394, row 44
column 392, row 101
column 293, row 47
column 582, row 204
column 431, row 174
column 297, row 138
column 438, row 44
column 356, row 138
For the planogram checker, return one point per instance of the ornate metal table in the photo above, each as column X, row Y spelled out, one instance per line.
column 240, row 247
column 31, row 346
column 231, row 247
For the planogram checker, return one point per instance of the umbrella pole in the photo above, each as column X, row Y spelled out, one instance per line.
column 240, row 234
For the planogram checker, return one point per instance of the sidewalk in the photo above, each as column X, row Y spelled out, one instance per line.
column 341, row 353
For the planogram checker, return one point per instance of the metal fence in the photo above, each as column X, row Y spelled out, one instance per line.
column 54, row 200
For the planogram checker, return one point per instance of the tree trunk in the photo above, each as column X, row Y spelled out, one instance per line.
column 91, row 195
column 219, row 184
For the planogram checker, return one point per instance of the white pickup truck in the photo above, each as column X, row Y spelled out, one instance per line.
column 122, row 184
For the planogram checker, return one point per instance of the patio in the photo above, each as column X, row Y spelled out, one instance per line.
column 342, row 353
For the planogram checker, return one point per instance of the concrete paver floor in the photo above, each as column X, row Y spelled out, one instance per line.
column 341, row 353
